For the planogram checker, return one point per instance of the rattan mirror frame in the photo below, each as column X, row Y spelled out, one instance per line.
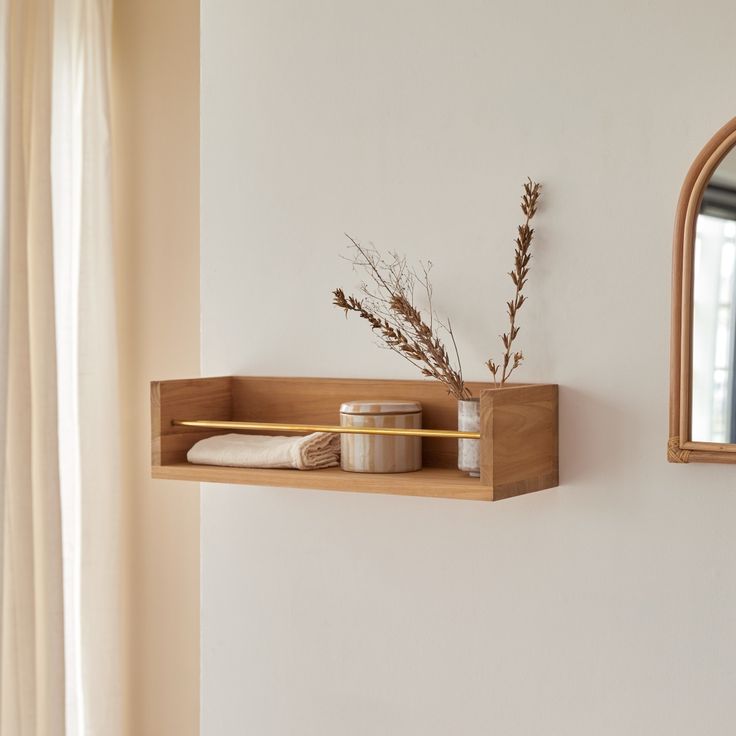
column 680, row 446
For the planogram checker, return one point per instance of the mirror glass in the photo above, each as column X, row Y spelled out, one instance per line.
column 713, row 408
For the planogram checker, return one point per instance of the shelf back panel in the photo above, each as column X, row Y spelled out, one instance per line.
column 317, row 401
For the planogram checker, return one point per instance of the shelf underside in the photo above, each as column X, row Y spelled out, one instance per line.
column 433, row 482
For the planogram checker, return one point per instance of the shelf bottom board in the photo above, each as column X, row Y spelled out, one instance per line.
column 432, row 482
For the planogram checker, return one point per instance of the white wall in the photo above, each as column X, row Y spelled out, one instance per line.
column 603, row 607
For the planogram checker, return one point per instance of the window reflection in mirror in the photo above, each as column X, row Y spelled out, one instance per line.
column 714, row 310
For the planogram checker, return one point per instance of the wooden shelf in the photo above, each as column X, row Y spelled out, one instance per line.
column 519, row 452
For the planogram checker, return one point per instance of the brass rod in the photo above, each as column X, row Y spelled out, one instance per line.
column 280, row 427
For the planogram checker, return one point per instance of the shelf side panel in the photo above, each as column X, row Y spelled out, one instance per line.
column 519, row 445
column 191, row 398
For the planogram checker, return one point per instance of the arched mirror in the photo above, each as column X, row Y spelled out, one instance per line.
column 703, row 368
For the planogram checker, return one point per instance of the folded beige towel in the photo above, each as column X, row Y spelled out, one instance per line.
column 318, row 450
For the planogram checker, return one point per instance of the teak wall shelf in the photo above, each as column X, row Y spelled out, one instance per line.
column 519, row 445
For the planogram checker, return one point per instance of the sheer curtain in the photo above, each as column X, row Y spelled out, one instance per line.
column 60, row 621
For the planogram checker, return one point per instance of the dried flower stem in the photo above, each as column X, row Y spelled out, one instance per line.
column 388, row 307
column 522, row 257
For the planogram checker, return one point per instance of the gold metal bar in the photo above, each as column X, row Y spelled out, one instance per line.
column 216, row 424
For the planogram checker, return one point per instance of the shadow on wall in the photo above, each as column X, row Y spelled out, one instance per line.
column 594, row 439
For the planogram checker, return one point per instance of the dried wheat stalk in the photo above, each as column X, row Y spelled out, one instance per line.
column 388, row 305
column 522, row 257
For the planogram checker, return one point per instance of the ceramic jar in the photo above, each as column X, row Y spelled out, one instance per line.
column 468, row 420
column 366, row 453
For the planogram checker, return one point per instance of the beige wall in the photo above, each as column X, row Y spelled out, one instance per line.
column 605, row 606
column 156, row 160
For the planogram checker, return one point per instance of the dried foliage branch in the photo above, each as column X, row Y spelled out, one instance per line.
column 387, row 303
column 522, row 256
